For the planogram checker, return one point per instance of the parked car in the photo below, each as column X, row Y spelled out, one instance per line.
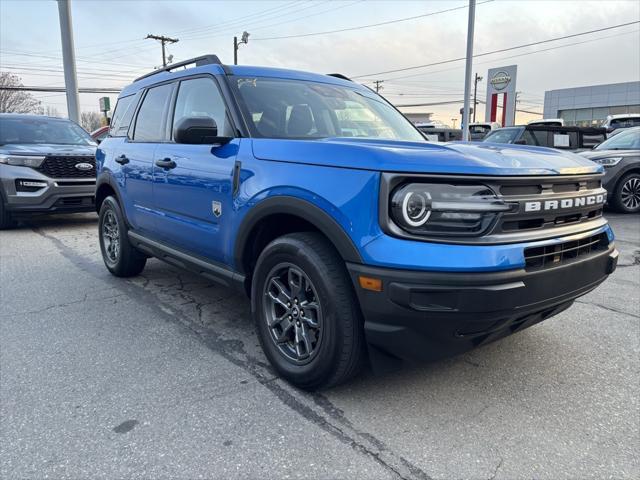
column 479, row 130
column 350, row 242
column 623, row 120
column 552, row 122
column 434, row 134
column 100, row 134
column 47, row 165
column 620, row 156
column 564, row 138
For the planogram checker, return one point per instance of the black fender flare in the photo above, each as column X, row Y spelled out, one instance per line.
column 105, row 178
column 301, row 208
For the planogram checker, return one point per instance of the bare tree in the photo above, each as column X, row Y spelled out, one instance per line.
column 90, row 121
column 16, row 101
column 50, row 111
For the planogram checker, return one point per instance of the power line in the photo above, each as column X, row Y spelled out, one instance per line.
column 60, row 89
column 360, row 27
column 499, row 50
column 513, row 56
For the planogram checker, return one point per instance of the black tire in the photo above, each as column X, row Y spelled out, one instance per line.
column 626, row 196
column 339, row 351
column 119, row 256
column 6, row 221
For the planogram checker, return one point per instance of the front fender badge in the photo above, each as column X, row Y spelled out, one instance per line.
column 216, row 208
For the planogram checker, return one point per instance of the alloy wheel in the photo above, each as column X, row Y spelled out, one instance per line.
column 111, row 236
column 631, row 193
column 293, row 313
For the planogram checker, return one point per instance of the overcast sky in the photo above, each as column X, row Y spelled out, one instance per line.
column 111, row 50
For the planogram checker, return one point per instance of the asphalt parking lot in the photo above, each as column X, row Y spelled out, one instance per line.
column 162, row 376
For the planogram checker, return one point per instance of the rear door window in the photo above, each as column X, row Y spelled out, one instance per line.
column 151, row 121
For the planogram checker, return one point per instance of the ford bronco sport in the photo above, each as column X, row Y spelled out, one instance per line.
column 353, row 236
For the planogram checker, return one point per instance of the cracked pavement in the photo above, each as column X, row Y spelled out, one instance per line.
column 161, row 375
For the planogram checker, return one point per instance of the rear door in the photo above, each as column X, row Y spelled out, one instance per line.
column 194, row 198
column 137, row 154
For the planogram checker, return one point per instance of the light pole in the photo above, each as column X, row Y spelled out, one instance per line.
column 236, row 45
column 475, row 92
column 69, row 61
column 467, row 76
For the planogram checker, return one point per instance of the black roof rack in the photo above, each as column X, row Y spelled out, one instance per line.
column 198, row 61
column 339, row 75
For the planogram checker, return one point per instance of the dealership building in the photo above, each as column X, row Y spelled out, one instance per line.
column 589, row 106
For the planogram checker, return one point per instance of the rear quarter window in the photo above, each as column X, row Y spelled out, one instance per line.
column 123, row 114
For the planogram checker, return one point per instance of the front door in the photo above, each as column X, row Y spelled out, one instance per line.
column 193, row 184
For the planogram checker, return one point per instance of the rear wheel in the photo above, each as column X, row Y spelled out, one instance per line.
column 307, row 317
column 119, row 256
column 626, row 197
column 6, row 220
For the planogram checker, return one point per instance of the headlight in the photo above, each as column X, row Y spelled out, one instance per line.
column 22, row 160
column 607, row 161
column 443, row 209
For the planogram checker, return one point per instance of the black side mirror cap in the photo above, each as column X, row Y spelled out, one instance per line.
column 520, row 142
column 198, row 131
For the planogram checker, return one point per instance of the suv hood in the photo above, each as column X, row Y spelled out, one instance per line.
column 409, row 157
column 47, row 149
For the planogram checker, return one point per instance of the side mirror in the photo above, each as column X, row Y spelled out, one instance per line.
column 198, row 131
column 520, row 142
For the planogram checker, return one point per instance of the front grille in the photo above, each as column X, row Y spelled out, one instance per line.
column 538, row 258
column 543, row 190
column 65, row 166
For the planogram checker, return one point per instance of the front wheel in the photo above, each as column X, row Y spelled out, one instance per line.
column 307, row 317
column 626, row 196
column 120, row 257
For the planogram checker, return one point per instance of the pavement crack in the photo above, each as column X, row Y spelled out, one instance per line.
column 610, row 309
column 495, row 472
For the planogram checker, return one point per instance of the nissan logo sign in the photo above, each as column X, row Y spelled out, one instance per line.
column 85, row 167
column 500, row 80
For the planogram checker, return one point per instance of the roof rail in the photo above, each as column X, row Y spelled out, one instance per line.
column 339, row 75
column 198, row 61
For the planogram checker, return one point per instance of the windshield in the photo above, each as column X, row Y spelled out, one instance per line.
column 279, row 108
column 625, row 122
column 31, row 130
column 626, row 140
column 503, row 135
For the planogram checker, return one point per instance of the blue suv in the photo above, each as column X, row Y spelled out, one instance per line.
column 353, row 236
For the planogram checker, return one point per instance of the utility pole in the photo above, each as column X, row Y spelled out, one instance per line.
column 69, row 61
column 236, row 45
column 468, row 66
column 163, row 40
column 475, row 92
column 378, row 85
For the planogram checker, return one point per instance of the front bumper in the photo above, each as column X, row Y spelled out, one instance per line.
column 431, row 315
column 60, row 195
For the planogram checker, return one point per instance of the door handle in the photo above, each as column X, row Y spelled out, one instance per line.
column 166, row 163
column 122, row 160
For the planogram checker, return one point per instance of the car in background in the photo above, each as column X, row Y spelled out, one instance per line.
column 563, row 138
column 553, row 122
column 624, row 120
column 437, row 134
column 100, row 134
column 620, row 157
column 479, row 130
column 47, row 165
